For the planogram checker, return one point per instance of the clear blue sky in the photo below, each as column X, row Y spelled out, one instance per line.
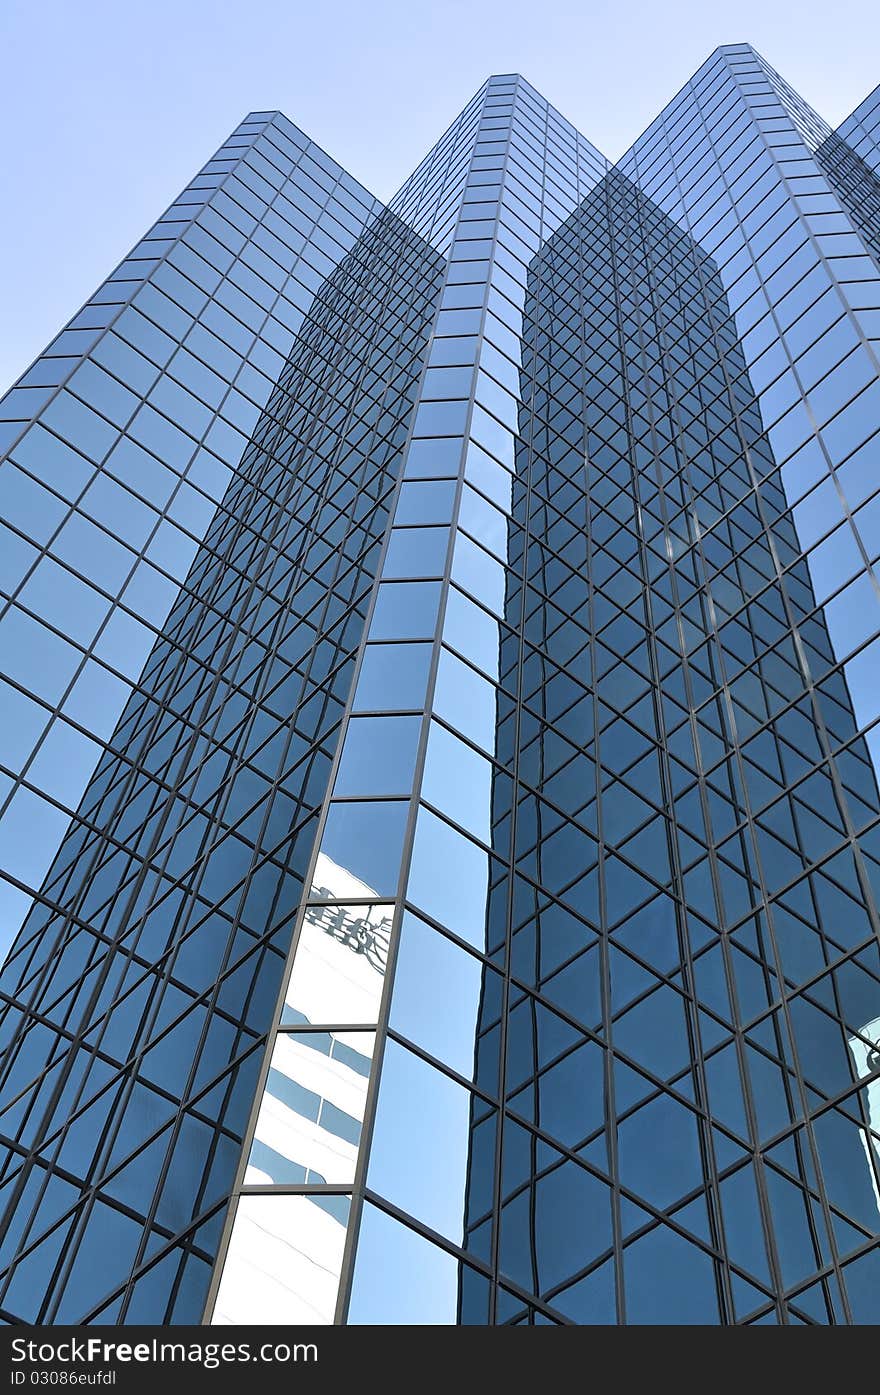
column 108, row 107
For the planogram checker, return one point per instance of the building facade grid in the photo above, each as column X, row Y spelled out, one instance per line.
column 441, row 836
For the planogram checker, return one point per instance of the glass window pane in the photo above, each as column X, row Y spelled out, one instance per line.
column 339, row 966
column 309, row 1125
column 449, row 879
column 360, row 850
column 458, row 782
column 438, row 989
column 472, row 632
column 425, row 501
column 479, row 574
column 424, row 1160
column 378, row 755
column 432, row 459
column 284, row 1260
column 466, row 701
column 416, row 552
column 668, row 1280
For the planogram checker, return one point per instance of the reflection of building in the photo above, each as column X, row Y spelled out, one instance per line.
column 865, row 1052
column 443, row 820
column 358, row 929
column 286, row 1282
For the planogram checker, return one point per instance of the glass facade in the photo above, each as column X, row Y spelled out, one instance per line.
column 440, row 834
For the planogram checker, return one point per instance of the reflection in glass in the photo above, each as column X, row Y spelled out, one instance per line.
column 489, row 476
column 478, row 573
column 473, row 632
column 458, row 782
column 360, row 850
column 309, row 1125
column 484, row 523
column 378, row 756
column 284, row 1260
column 466, row 701
column 339, row 967
column 416, row 552
column 393, row 677
column 399, row 1277
column 865, row 1052
column 668, row 1279
column 425, row 501
column 438, row 989
column 428, row 1155
column 449, row 879
column 433, row 459
column 672, row 753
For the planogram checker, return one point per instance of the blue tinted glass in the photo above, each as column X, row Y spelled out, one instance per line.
column 405, row 610
column 445, row 1024
column 466, row 701
column 650, row 1263
column 639, row 846
column 364, row 842
column 449, row 878
column 425, row 501
column 401, row 1277
column 378, row 755
column 392, row 677
column 458, row 781
column 421, row 1165
column 415, row 552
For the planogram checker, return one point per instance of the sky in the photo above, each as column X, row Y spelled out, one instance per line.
column 111, row 107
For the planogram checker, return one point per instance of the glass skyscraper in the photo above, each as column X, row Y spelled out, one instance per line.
column 440, row 823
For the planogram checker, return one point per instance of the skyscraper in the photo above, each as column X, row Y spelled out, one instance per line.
column 441, row 830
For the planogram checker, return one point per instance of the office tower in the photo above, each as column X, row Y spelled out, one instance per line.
column 442, row 839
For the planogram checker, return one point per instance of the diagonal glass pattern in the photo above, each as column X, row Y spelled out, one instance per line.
column 440, row 833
